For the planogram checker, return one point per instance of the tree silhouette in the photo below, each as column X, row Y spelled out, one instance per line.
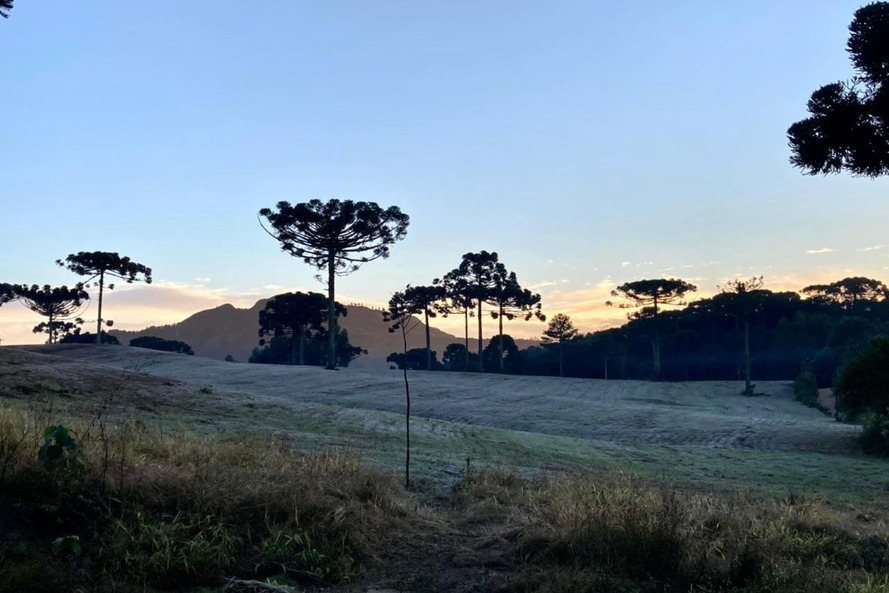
column 559, row 331
column 154, row 343
column 475, row 277
column 739, row 298
column 456, row 357
column 863, row 385
column 458, row 301
column 293, row 315
column 78, row 337
column 649, row 296
column 7, row 293
column 415, row 359
column 401, row 314
column 848, row 124
column 5, row 7
column 99, row 265
column 426, row 299
column 849, row 293
column 337, row 236
column 491, row 356
column 511, row 301
column 60, row 305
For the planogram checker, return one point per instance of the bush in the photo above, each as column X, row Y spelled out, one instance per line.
column 153, row 343
column 864, row 383
column 875, row 437
column 805, row 388
column 88, row 338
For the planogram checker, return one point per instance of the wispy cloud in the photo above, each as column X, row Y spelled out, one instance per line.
column 873, row 248
column 543, row 284
column 819, row 251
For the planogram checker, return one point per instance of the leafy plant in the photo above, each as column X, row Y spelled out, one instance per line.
column 59, row 450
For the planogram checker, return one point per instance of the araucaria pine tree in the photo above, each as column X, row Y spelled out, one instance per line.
column 475, row 276
column 458, row 301
column 740, row 298
column 103, row 265
column 559, row 332
column 336, row 236
column 649, row 296
column 429, row 300
column 294, row 316
column 60, row 305
column 510, row 300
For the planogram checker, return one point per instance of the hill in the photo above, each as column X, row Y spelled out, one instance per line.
column 216, row 333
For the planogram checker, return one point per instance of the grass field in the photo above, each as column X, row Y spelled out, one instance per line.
column 517, row 479
column 703, row 433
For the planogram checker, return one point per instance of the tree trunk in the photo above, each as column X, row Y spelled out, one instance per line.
column 656, row 355
column 606, row 369
column 407, row 416
column 331, row 311
column 466, row 334
column 101, row 290
column 500, row 348
column 561, row 361
column 51, row 329
column 748, row 388
column 302, row 345
column 656, row 345
column 428, row 342
column 481, row 366
column 293, row 348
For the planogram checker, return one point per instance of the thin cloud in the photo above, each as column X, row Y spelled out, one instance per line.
column 873, row 248
column 543, row 284
column 819, row 251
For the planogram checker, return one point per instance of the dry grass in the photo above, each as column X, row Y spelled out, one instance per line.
column 609, row 532
column 133, row 508
column 162, row 510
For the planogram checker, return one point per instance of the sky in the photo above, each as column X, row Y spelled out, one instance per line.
column 588, row 143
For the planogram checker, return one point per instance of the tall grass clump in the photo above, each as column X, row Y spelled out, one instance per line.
column 608, row 532
column 125, row 508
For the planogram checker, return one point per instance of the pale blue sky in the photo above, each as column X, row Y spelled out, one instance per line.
column 581, row 140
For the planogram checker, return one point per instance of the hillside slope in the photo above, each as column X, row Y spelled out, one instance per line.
column 216, row 333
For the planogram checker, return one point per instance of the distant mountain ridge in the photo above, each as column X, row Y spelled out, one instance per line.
column 228, row 330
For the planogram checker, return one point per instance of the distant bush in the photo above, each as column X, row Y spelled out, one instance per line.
column 875, row 437
column 864, row 383
column 153, row 343
column 88, row 338
column 416, row 360
column 279, row 350
column 805, row 388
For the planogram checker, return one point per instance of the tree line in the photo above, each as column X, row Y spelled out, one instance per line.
column 63, row 306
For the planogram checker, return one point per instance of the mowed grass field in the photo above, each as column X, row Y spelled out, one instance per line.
column 702, row 434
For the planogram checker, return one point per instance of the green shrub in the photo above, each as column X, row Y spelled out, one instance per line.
column 805, row 388
column 875, row 437
column 864, row 383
